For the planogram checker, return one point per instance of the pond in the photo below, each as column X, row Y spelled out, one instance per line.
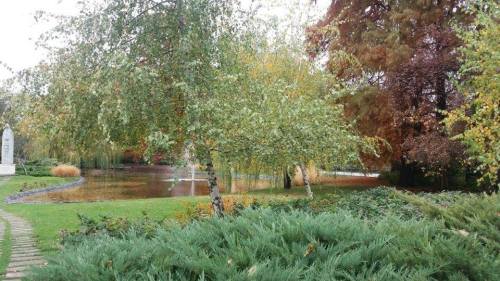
column 140, row 182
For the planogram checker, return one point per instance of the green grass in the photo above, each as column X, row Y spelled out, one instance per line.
column 5, row 248
column 48, row 219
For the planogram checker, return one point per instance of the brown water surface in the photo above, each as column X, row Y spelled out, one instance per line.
column 140, row 182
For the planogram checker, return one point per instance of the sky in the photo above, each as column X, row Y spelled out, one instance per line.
column 19, row 29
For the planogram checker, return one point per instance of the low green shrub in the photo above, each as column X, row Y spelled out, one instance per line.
column 268, row 245
column 113, row 227
column 477, row 215
column 370, row 204
column 378, row 203
column 467, row 213
column 36, row 168
column 442, row 199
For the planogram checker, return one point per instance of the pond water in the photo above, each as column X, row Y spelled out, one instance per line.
column 142, row 182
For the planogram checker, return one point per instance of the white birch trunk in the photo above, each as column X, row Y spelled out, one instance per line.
column 215, row 197
column 307, row 184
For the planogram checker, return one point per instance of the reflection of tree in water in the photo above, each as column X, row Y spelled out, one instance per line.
column 157, row 181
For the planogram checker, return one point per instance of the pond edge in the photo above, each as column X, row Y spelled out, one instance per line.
column 17, row 197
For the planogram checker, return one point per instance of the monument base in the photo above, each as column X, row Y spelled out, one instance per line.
column 7, row 169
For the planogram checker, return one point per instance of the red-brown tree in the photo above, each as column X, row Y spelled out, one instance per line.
column 403, row 54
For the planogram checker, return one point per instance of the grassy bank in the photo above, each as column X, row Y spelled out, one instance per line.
column 48, row 219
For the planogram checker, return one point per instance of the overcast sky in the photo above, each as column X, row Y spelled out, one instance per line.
column 19, row 30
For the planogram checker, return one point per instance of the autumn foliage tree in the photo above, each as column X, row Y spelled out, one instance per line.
column 480, row 114
column 401, row 57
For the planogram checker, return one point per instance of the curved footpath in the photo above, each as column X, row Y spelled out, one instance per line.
column 24, row 253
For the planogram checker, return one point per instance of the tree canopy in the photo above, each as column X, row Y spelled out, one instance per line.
column 402, row 55
column 481, row 86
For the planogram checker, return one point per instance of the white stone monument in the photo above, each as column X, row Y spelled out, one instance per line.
column 7, row 168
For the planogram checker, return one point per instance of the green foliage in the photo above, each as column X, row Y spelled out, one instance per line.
column 33, row 170
column 158, row 142
column 113, row 227
column 373, row 204
column 481, row 86
column 122, row 75
column 478, row 215
column 268, row 245
column 472, row 215
column 282, row 116
column 176, row 73
column 378, row 203
column 37, row 168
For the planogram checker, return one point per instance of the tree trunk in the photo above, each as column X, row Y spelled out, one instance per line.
column 217, row 203
column 232, row 180
column 287, row 180
column 305, row 176
column 441, row 96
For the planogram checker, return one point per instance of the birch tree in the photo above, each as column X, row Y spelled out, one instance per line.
column 128, row 72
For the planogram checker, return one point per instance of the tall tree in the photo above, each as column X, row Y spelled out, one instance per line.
column 131, row 71
column 307, row 124
column 480, row 114
column 406, row 50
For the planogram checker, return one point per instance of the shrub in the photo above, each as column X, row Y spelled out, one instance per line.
column 378, row 203
column 113, row 227
column 269, row 245
column 232, row 205
column 370, row 204
column 33, row 170
column 36, row 168
column 469, row 214
column 65, row 171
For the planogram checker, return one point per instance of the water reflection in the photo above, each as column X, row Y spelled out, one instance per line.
column 151, row 182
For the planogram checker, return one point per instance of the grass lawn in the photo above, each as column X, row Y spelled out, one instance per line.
column 5, row 248
column 48, row 219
